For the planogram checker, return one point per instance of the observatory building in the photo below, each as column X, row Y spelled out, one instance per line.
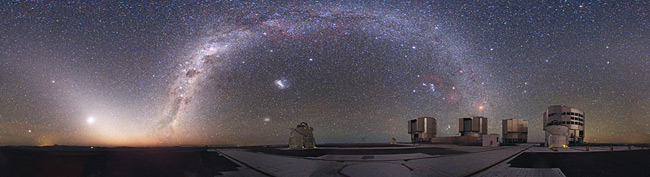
column 515, row 131
column 302, row 137
column 422, row 129
column 556, row 135
column 569, row 117
column 475, row 126
column 473, row 132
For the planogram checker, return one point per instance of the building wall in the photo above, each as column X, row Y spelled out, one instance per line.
column 478, row 125
column 567, row 116
column 422, row 129
column 491, row 140
column 515, row 130
column 445, row 140
column 458, row 140
column 464, row 125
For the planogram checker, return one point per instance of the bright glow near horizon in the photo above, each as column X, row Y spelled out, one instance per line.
column 90, row 120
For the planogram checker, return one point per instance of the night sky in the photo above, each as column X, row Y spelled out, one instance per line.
column 243, row 73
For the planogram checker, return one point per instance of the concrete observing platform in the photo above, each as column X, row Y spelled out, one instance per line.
column 468, row 161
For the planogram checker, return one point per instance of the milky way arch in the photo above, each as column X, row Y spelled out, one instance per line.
column 238, row 29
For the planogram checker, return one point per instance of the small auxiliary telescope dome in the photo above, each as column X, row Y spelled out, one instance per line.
column 302, row 137
column 558, row 135
column 557, row 130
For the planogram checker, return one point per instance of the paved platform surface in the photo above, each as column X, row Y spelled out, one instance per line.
column 465, row 164
column 276, row 165
column 472, row 161
column 392, row 157
column 503, row 169
column 584, row 149
column 606, row 148
column 376, row 169
column 431, row 150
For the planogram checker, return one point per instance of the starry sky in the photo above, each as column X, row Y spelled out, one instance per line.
column 244, row 73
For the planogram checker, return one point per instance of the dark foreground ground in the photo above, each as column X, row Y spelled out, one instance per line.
column 111, row 162
column 614, row 163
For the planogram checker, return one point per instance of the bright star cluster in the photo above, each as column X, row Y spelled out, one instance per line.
column 241, row 73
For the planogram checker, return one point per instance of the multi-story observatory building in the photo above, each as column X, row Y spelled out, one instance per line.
column 567, row 116
column 422, row 129
column 476, row 125
column 515, row 131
